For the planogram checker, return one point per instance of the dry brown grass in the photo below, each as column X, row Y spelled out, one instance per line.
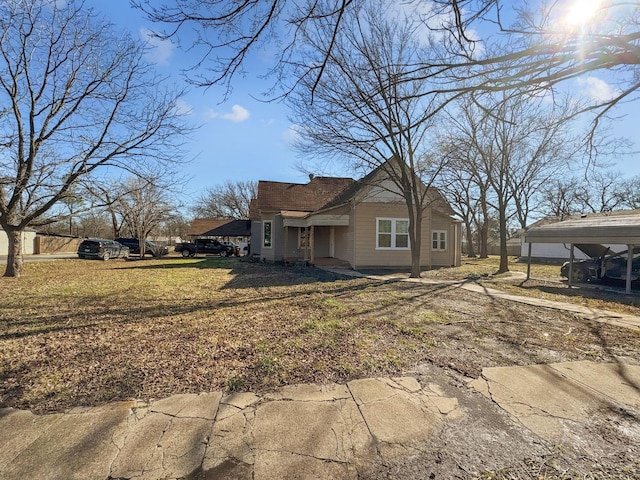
column 80, row 332
column 545, row 282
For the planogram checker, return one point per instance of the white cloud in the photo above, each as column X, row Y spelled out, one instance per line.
column 183, row 108
column 159, row 50
column 597, row 89
column 238, row 114
column 291, row 135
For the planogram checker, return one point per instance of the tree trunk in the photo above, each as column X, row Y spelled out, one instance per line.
column 471, row 252
column 484, row 239
column 14, row 254
column 415, row 258
column 504, row 258
column 415, row 230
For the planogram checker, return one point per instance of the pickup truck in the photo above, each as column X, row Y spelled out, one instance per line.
column 207, row 246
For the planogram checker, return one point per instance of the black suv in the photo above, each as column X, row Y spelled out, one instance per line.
column 102, row 249
column 150, row 247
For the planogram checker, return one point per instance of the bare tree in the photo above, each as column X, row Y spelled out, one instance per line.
column 175, row 226
column 466, row 190
column 95, row 223
column 76, row 99
column 229, row 32
column 558, row 198
column 143, row 207
column 360, row 112
column 547, row 46
column 229, row 200
column 543, row 47
column 631, row 193
column 515, row 145
column 604, row 191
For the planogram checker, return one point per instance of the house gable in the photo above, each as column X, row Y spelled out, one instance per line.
column 377, row 187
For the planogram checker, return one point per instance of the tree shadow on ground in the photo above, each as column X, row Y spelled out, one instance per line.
column 608, row 293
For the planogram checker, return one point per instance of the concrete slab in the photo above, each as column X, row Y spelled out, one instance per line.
column 556, row 401
column 139, row 451
column 272, row 465
column 77, row 446
column 168, row 438
column 231, row 448
column 619, row 382
column 370, row 428
column 203, row 405
column 398, row 419
column 631, row 322
column 20, row 428
column 315, row 430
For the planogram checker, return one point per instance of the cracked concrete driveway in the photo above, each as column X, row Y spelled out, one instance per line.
column 426, row 425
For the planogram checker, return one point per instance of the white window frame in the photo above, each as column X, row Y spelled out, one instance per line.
column 264, row 227
column 440, row 239
column 394, row 234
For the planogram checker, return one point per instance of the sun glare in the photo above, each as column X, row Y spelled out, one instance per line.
column 582, row 11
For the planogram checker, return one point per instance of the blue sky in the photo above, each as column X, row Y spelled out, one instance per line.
column 243, row 138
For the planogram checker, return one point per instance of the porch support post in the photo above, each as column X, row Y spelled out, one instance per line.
column 311, row 245
column 286, row 244
column 571, row 266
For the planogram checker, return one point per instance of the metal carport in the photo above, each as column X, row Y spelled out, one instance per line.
column 612, row 229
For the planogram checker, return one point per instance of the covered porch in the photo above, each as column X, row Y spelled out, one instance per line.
column 315, row 239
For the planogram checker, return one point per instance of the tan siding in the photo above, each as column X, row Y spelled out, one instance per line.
column 321, row 241
column 342, row 246
column 444, row 258
column 292, row 251
column 365, row 232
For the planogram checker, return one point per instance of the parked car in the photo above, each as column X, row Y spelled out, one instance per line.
column 102, row 249
column 150, row 247
column 207, row 246
column 603, row 265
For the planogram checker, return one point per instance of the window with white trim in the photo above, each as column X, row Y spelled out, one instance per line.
column 439, row 240
column 392, row 234
column 266, row 234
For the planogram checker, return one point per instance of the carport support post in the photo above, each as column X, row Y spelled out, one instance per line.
column 571, row 266
column 529, row 262
column 629, row 264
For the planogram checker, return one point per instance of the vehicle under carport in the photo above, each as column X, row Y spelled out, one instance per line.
column 618, row 229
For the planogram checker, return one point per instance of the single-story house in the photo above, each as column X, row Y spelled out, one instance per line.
column 28, row 242
column 200, row 226
column 237, row 231
column 363, row 224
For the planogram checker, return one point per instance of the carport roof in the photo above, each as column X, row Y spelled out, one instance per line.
column 613, row 229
